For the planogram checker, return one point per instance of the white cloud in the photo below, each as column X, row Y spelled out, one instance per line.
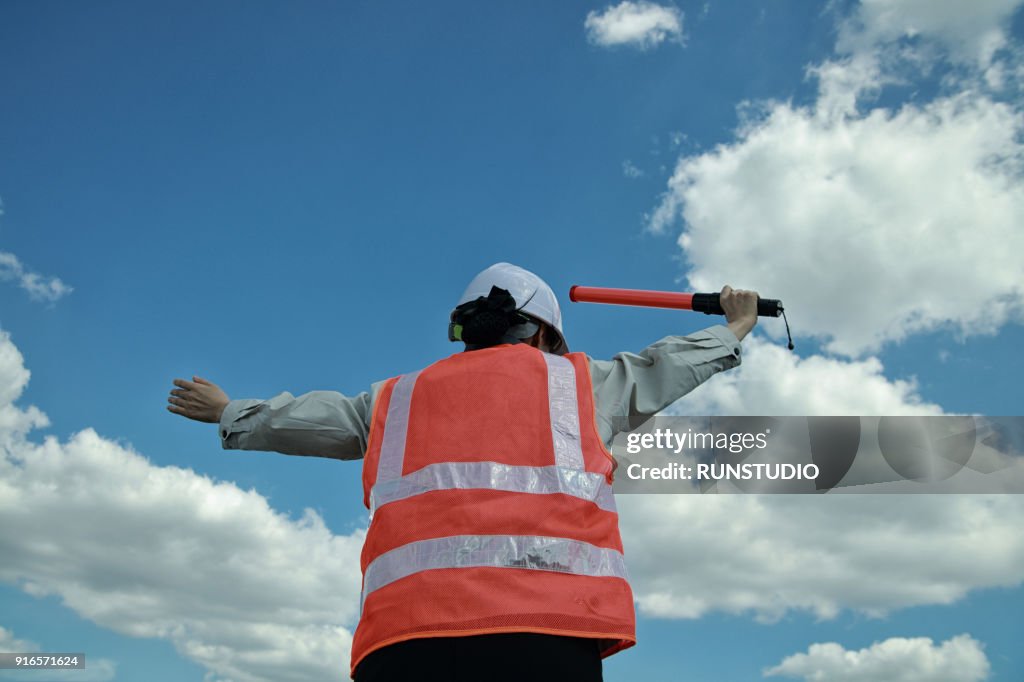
column 630, row 170
column 96, row 670
column 15, row 422
column 769, row 555
column 901, row 39
column 969, row 32
column 898, row 659
column 875, row 225
column 39, row 288
column 152, row 551
column 639, row 24
column 10, row 643
column 773, row 381
column 162, row 552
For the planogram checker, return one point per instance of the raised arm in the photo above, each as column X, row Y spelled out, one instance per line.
column 643, row 384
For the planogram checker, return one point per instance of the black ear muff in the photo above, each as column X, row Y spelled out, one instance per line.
column 484, row 321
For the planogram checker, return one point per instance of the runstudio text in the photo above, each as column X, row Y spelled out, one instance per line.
column 760, row 471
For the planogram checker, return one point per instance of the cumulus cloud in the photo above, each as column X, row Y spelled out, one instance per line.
column 884, row 42
column 151, row 551
column 775, row 382
column 639, row 24
column 769, row 555
column 970, row 33
column 870, row 225
column 245, row 591
column 96, row 670
column 8, row 642
column 959, row 659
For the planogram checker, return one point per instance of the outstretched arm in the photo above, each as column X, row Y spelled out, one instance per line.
column 318, row 424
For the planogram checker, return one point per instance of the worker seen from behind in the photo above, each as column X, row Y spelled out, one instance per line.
column 493, row 550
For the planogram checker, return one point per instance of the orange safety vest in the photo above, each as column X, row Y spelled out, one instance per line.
column 491, row 507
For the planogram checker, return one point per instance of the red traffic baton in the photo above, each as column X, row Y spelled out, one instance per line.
column 709, row 304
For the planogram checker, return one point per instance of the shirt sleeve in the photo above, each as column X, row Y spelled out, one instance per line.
column 317, row 424
column 631, row 385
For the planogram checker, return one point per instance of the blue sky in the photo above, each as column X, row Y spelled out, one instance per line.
column 292, row 196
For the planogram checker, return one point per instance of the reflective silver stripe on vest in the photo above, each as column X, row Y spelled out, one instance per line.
column 495, row 476
column 494, row 551
column 568, row 476
column 565, row 418
column 392, row 448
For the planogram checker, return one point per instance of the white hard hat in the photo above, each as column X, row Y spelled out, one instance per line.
column 532, row 295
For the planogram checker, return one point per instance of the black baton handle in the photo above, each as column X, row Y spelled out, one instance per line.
column 711, row 304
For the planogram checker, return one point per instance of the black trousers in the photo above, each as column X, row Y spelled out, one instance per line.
column 512, row 657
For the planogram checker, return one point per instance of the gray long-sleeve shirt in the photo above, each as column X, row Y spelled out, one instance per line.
column 329, row 424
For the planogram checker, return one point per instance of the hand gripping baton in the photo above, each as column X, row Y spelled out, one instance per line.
column 709, row 304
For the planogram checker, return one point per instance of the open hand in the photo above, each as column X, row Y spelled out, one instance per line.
column 199, row 399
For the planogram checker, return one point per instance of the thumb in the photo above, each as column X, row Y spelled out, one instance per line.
column 200, row 380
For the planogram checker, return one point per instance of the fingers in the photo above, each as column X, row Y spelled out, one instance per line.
column 183, row 400
column 187, row 406
column 178, row 407
column 729, row 291
column 189, row 389
column 738, row 298
column 182, row 395
column 200, row 399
